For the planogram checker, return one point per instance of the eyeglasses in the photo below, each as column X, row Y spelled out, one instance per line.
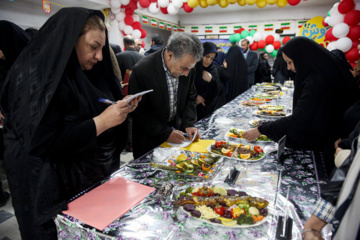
column 207, row 56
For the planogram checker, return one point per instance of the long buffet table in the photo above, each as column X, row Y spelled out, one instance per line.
column 156, row 218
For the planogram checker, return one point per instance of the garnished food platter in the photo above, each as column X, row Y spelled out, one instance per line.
column 236, row 134
column 272, row 114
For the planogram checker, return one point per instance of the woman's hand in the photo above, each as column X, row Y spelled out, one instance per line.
column 224, row 64
column 251, row 134
column 191, row 131
column 206, row 76
column 200, row 100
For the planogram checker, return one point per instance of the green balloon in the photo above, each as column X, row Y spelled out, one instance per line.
column 329, row 13
column 274, row 53
column 237, row 37
column 244, row 34
column 231, row 38
column 252, row 32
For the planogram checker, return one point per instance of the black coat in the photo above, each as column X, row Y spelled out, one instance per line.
column 128, row 59
column 262, row 73
column 150, row 119
column 153, row 49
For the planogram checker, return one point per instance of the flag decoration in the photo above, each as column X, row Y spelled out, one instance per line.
column 223, row 29
column 145, row 19
column 236, row 28
column 285, row 26
column 153, row 23
column 46, row 6
column 269, row 27
column 181, row 29
column 252, row 27
column 168, row 27
column 161, row 25
column 301, row 23
column 194, row 29
column 208, row 29
column 175, row 28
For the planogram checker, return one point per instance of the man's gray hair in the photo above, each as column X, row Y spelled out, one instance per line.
column 185, row 43
column 245, row 40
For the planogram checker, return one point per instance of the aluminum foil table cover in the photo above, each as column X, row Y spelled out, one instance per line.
column 156, row 218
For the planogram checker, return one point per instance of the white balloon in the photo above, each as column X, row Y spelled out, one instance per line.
column 121, row 26
column 115, row 10
column 340, row 30
column 136, row 34
column 124, row 2
column 257, row 36
column 250, row 39
column 357, row 6
column 269, row 48
column 172, row 9
column 334, row 10
column 128, row 30
column 331, row 46
column 184, row 1
column 327, row 19
column 163, row 3
column 336, row 5
column 115, row 3
column 263, row 36
column 338, row 18
column 344, row 44
column 120, row 16
column 177, row 3
column 136, row 18
column 153, row 8
column 276, row 37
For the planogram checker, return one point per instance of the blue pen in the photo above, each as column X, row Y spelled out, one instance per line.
column 104, row 100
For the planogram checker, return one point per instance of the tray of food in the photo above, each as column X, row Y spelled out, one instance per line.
column 236, row 134
column 190, row 164
column 258, row 100
column 238, row 151
column 274, row 114
column 222, row 206
column 271, row 107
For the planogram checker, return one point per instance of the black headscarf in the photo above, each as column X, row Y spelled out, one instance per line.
column 342, row 58
column 262, row 73
column 237, row 71
column 12, row 41
column 280, row 71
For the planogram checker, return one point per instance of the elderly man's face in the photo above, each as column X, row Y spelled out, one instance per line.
column 138, row 44
column 180, row 66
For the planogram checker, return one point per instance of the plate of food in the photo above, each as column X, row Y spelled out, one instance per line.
column 274, row 114
column 236, row 134
column 257, row 100
column 258, row 122
column 238, row 151
column 266, row 95
column 190, row 164
column 250, row 103
column 222, row 207
column 271, row 107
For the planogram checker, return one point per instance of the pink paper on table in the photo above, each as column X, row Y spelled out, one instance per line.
column 104, row 204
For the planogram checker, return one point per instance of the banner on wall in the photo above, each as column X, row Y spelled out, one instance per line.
column 208, row 29
column 236, row 28
column 223, row 29
column 225, row 44
column 181, row 29
column 175, row 28
column 153, row 23
column 145, row 19
column 46, row 6
column 269, row 27
column 161, row 25
column 168, row 27
column 301, row 23
column 285, row 26
column 314, row 30
column 252, row 27
column 194, row 29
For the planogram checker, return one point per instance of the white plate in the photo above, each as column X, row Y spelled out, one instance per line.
column 238, row 159
column 224, row 121
column 265, row 116
column 242, row 139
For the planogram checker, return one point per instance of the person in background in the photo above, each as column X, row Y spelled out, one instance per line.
column 116, row 48
column 31, row 31
column 280, row 71
column 172, row 104
column 342, row 58
column 263, row 72
column 210, row 92
column 323, row 91
column 13, row 39
column 219, row 60
column 356, row 71
column 138, row 46
column 66, row 139
column 251, row 60
column 156, row 44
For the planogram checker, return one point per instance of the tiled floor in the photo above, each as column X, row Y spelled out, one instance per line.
column 8, row 224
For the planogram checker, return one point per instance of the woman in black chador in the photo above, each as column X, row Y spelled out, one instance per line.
column 280, row 71
column 324, row 90
column 210, row 92
column 263, row 71
column 59, row 139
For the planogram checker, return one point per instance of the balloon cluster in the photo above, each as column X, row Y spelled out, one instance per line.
column 260, row 40
column 344, row 34
column 225, row 3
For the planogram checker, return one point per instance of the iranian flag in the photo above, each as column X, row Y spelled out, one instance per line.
column 208, row 29
column 223, row 29
column 145, row 20
column 161, row 25
column 252, row 27
column 181, row 29
column 237, row 28
column 285, row 26
column 153, row 23
column 269, row 27
column 301, row 23
column 168, row 27
column 175, row 29
column 194, row 29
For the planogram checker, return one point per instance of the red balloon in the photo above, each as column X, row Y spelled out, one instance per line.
column 187, row 8
column 329, row 35
column 346, row 6
column 269, row 39
column 129, row 11
column 286, row 39
column 124, row 6
column 142, row 44
column 352, row 55
column 144, row 3
column 136, row 25
column 155, row 1
column 240, row 30
column 133, row 4
column 254, row 46
column 261, row 44
column 324, row 23
column 164, row 10
column 352, row 18
column 293, row 2
column 128, row 20
column 143, row 33
column 354, row 33
column 355, row 44
column 277, row 44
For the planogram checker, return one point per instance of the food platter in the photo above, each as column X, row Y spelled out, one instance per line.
column 233, row 209
column 270, row 114
column 271, row 107
column 236, row 135
column 226, row 149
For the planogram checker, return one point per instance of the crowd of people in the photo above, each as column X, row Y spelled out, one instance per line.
column 59, row 139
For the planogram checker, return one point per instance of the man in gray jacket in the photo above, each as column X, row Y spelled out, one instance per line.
column 251, row 59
